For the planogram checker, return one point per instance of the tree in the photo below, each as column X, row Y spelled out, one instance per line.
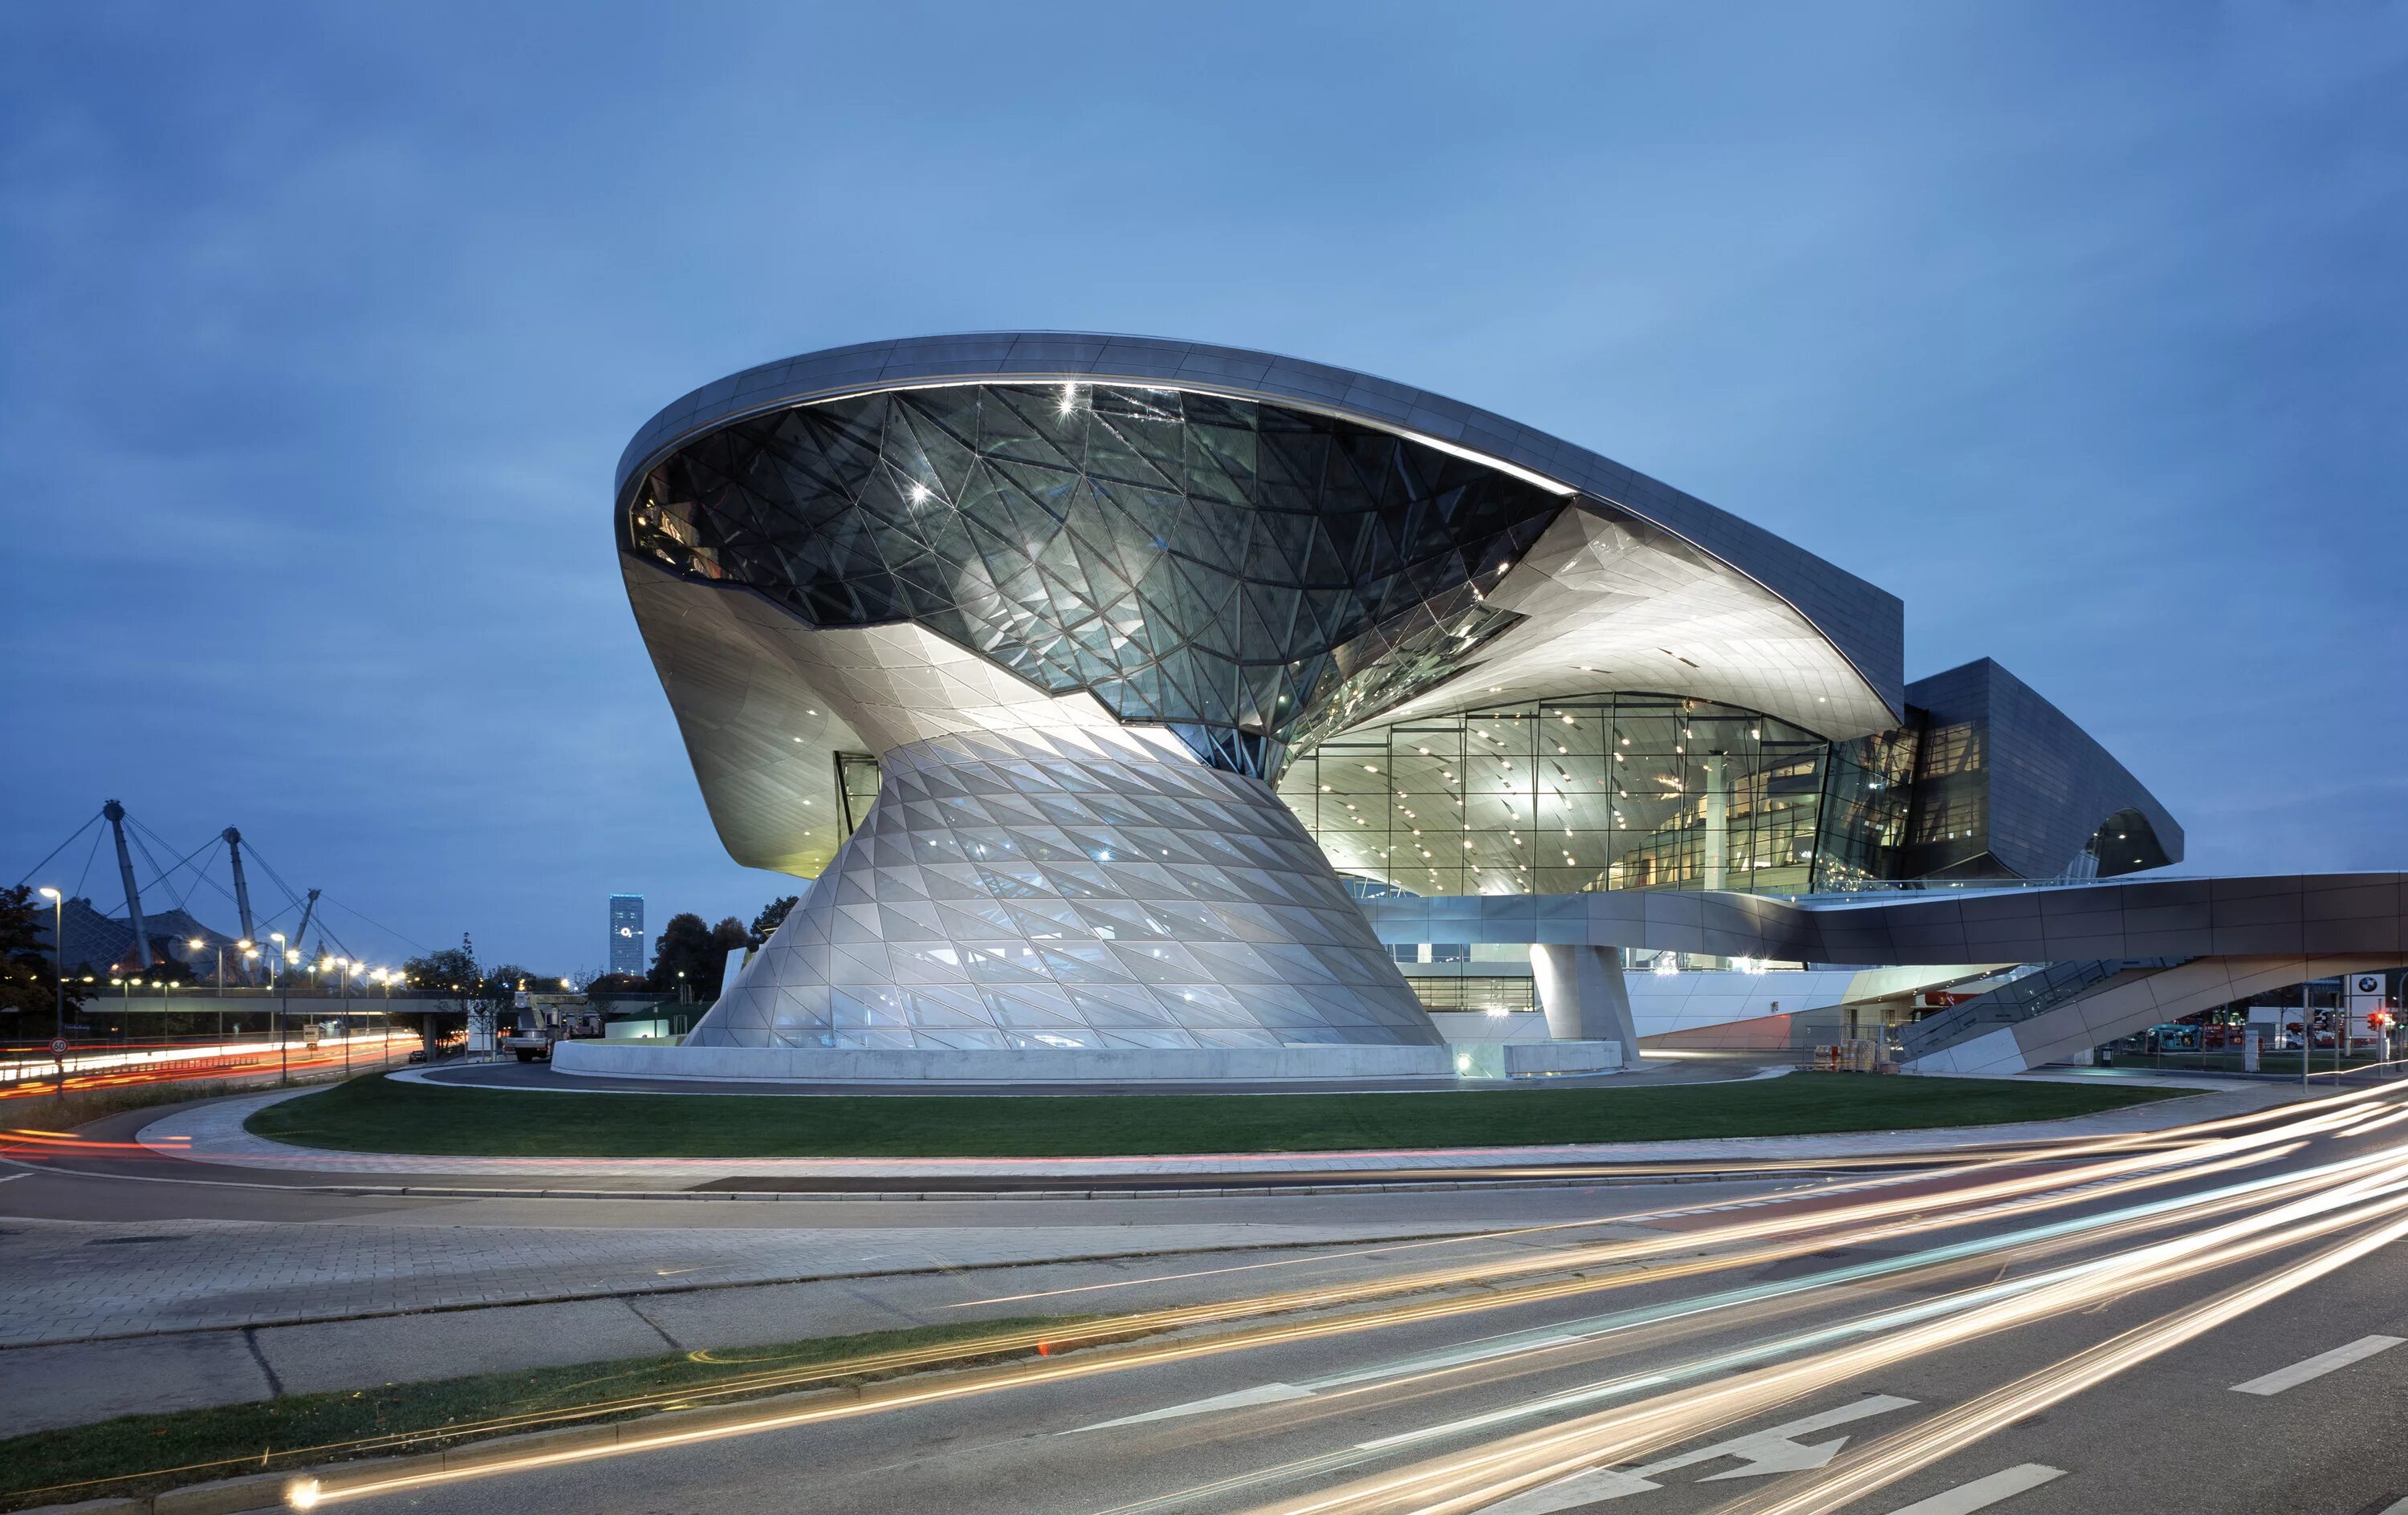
column 29, row 985
column 464, row 986
column 681, row 955
column 689, row 955
column 772, row 916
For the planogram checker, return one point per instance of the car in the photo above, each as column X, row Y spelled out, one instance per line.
column 418, row 1054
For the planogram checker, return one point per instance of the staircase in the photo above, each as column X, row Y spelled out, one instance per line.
column 2034, row 993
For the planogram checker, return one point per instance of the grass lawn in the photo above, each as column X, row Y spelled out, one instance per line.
column 140, row 1454
column 380, row 1115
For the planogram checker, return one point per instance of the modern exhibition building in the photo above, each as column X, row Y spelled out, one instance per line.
column 1148, row 709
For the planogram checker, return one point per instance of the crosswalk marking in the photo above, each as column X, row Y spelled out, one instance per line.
column 1983, row 1493
column 2317, row 1366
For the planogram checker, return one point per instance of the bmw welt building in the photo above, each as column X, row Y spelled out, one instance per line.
column 1143, row 709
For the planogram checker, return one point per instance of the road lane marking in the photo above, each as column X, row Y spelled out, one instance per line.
column 1595, row 1326
column 14, row 1177
column 1263, row 1394
column 2317, row 1366
column 1983, row 1493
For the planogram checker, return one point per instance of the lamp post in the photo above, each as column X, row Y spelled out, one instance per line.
column 248, row 951
column 384, row 1044
column 348, row 970
column 284, row 1008
column 196, row 944
column 58, row 955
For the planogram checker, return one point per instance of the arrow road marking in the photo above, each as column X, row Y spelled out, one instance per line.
column 1983, row 1493
column 1780, row 1457
column 2317, row 1366
column 1773, row 1450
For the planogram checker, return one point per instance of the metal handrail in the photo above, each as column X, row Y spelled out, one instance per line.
column 2024, row 997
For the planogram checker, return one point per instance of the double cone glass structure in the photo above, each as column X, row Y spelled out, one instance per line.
column 1094, row 679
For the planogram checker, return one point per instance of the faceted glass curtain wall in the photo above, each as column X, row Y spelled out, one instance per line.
column 1249, row 575
column 1628, row 792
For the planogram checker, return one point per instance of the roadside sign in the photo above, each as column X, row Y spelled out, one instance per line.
column 58, row 1044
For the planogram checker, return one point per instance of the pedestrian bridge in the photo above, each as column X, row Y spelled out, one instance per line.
column 2178, row 946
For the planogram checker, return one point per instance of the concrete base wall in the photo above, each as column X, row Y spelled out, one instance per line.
column 1525, row 1058
column 1498, row 1059
column 1480, row 1026
column 945, row 1066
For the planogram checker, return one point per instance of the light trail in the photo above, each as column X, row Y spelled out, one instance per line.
column 1885, row 1462
column 2126, row 1173
column 1495, row 1474
column 2148, row 1159
column 118, row 1071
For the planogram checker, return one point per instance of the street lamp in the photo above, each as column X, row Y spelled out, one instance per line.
column 283, row 1004
column 248, row 952
column 196, row 944
column 58, row 953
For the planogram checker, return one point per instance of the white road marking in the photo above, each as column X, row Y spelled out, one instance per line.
column 14, row 1177
column 1780, row 1457
column 1264, row 1394
column 2400, row 1509
column 1773, row 1450
column 1983, row 1493
column 2317, row 1366
column 1455, row 1357
column 1271, row 1393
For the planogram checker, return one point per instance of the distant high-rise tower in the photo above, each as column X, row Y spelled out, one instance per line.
column 627, row 933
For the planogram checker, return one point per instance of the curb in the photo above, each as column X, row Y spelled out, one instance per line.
column 1914, row 1150
column 1776, row 1169
column 268, row 1491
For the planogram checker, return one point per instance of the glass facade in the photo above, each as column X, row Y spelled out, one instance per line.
column 1606, row 792
column 1249, row 575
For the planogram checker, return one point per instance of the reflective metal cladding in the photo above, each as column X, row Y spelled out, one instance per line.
column 1470, row 658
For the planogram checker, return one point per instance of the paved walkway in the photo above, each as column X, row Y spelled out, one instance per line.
column 213, row 1133
column 76, row 1381
column 65, row 1281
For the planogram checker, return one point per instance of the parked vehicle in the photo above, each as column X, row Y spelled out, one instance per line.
column 548, row 1020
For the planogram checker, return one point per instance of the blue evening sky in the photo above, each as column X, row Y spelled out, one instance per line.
column 2080, row 327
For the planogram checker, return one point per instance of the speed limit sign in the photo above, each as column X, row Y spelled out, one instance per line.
column 58, row 1044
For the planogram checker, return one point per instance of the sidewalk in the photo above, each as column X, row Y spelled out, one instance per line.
column 213, row 1133
column 67, row 1281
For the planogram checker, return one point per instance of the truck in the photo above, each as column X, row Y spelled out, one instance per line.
column 544, row 1021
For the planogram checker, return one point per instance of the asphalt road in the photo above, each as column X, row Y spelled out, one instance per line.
column 2213, row 1328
